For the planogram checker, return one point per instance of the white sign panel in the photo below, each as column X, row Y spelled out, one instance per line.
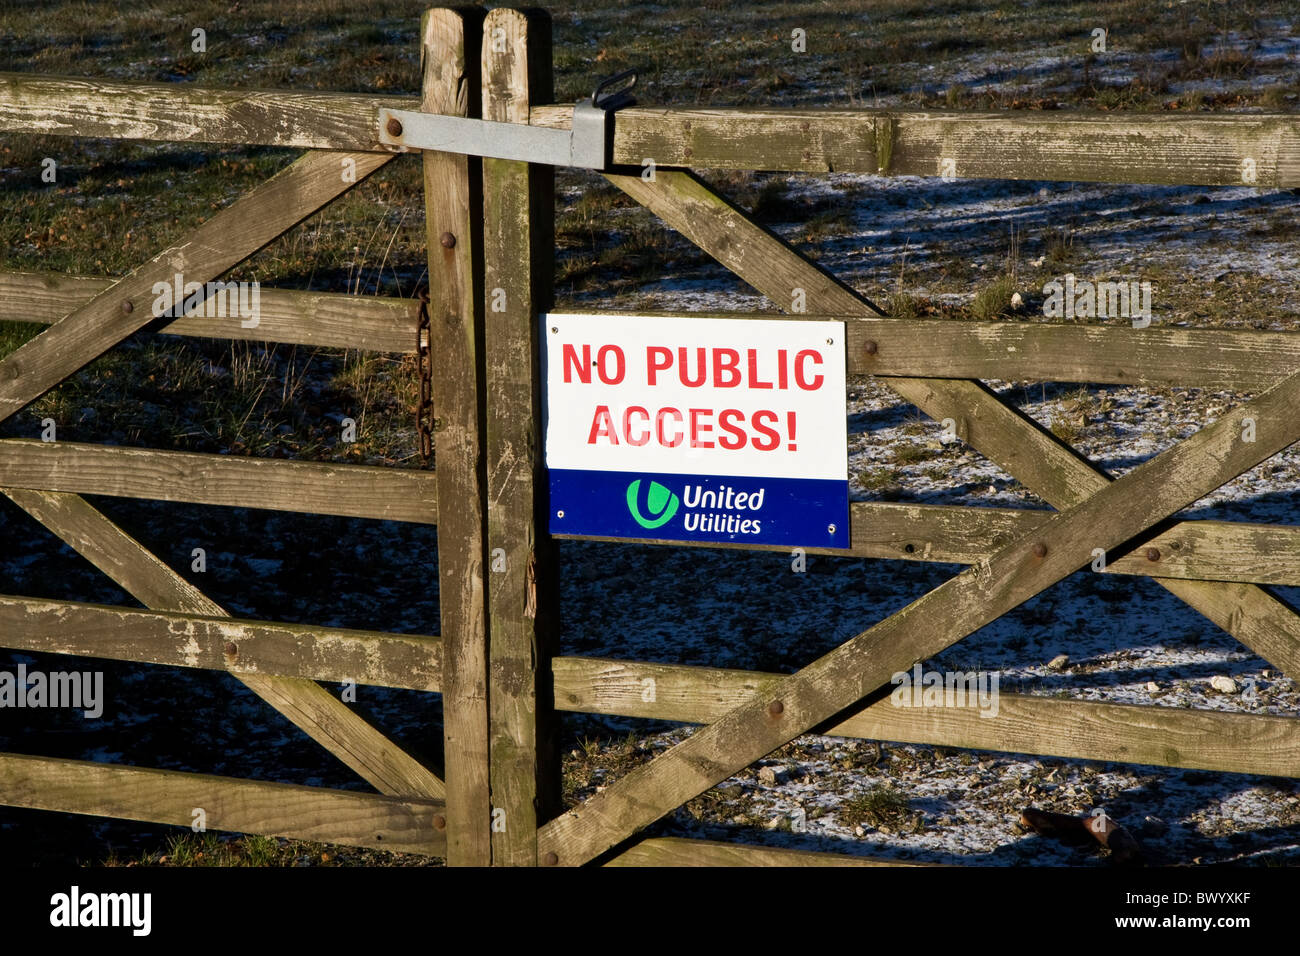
column 682, row 427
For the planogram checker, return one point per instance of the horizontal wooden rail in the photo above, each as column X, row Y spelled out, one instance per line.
column 1194, row 149
column 186, row 113
column 1197, row 550
column 325, row 319
column 318, row 814
column 680, row 851
column 1083, row 730
column 408, row 661
column 1114, row 354
column 352, row 491
column 1189, row 149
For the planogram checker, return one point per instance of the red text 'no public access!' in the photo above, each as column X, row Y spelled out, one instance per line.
column 698, row 367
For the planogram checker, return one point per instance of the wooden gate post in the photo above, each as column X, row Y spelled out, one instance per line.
column 518, row 242
column 453, row 215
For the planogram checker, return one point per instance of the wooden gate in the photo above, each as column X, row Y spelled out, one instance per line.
column 497, row 660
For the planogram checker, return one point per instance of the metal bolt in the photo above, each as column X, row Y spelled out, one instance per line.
column 554, row 328
column 1153, row 554
column 232, row 649
column 830, row 529
column 776, row 708
column 394, row 126
column 128, row 307
column 1040, row 550
column 830, row 341
column 448, row 240
column 871, row 347
column 551, row 859
column 559, row 514
column 440, row 822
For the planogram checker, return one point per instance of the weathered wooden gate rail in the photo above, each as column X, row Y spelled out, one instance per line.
column 489, row 225
column 1177, row 149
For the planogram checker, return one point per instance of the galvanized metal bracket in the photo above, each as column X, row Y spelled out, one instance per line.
column 588, row 145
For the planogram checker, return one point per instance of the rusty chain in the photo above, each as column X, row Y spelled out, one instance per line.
column 424, row 359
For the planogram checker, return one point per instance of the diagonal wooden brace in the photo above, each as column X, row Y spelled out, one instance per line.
column 225, row 240
column 1053, row 470
column 312, row 708
column 980, row 594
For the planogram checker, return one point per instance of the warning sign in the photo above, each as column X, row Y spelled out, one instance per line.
column 697, row 429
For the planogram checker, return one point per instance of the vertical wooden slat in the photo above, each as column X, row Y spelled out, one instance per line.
column 518, row 238
column 453, row 212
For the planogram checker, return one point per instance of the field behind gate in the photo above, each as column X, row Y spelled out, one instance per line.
column 1222, row 257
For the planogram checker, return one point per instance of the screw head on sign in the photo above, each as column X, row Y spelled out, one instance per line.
column 440, row 822
column 1153, row 554
column 830, row 529
column 394, row 126
column 448, row 240
column 551, row 859
column 555, row 328
column 830, row 341
column 128, row 306
column 871, row 348
column 1040, row 550
column 776, row 708
column 560, row 513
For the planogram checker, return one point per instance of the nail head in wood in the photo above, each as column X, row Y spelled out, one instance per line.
column 1153, row 554
column 871, row 347
column 551, row 859
column 128, row 306
column 1040, row 550
column 394, row 126
column 448, row 240
column 439, row 822
column 776, row 708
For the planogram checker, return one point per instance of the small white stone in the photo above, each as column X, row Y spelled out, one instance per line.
column 1059, row 662
column 1225, row 685
column 1152, row 686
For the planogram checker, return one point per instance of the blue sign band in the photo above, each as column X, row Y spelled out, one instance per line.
column 798, row 512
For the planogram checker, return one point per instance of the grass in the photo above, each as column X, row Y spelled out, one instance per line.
column 222, row 850
column 994, row 298
column 879, row 806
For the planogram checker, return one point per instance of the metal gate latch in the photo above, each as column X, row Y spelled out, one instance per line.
column 588, row 145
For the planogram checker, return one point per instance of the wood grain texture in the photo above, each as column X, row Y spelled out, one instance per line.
column 189, row 113
column 1099, row 354
column 453, row 197
column 325, row 319
column 357, row 491
column 1065, row 145
column 177, row 639
column 1024, row 724
column 1148, row 494
column 1058, row 145
column 313, row 709
column 679, row 851
column 518, row 238
column 225, row 240
column 1048, row 467
column 317, row 814
column 1196, row 550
